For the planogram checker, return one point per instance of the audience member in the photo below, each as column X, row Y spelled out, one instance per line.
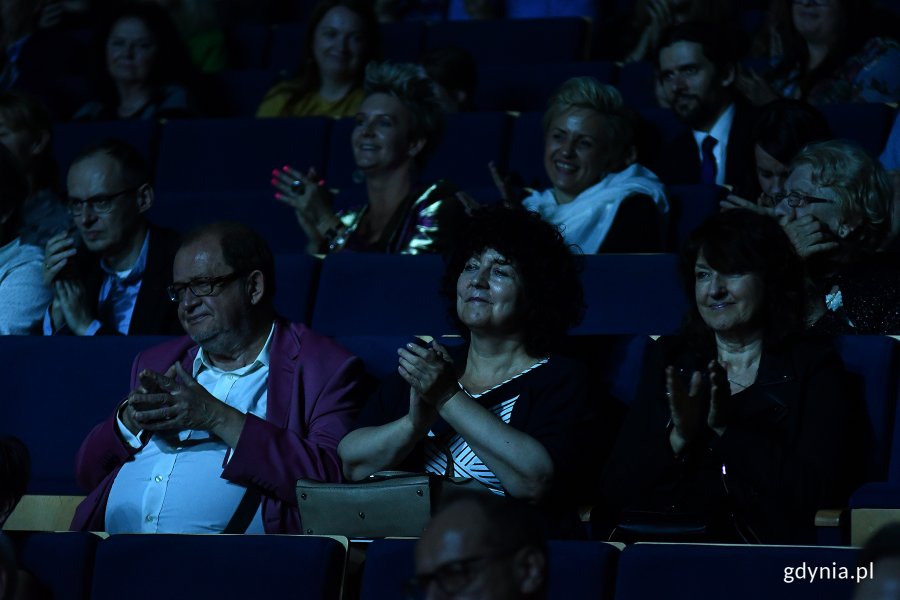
column 341, row 39
column 601, row 199
column 482, row 547
column 837, row 211
column 397, row 127
column 826, row 54
column 504, row 409
column 27, row 131
column 15, row 470
column 783, row 128
column 231, row 415
column 697, row 69
column 200, row 26
column 881, row 554
column 890, row 160
column 23, row 295
column 634, row 35
column 741, row 428
column 18, row 21
column 111, row 277
column 143, row 70
column 454, row 73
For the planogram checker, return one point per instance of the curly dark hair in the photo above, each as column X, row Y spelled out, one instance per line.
column 552, row 299
column 741, row 241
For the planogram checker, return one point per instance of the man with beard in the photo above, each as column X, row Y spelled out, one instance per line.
column 696, row 68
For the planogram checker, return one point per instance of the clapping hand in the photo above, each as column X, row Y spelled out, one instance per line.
column 173, row 401
column 429, row 371
column 687, row 407
column 305, row 193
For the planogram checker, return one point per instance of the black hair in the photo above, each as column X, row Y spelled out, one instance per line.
column 884, row 544
column 741, row 241
column 552, row 299
column 715, row 44
column 454, row 68
column 785, row 126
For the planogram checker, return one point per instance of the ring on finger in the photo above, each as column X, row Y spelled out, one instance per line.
column 297, row 186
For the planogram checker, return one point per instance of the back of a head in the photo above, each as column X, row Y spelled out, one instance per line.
column 454, row 68
column 862, row 187
column 243, row 249
column 880, row 559
column 22, row 113
column 784, row 126
column 8, row 569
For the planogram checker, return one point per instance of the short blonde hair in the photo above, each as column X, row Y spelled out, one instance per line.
column 409, row 84
column 605, row 100
column 861, row 185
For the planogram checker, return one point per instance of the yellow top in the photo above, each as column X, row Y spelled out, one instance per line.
column 310, row 105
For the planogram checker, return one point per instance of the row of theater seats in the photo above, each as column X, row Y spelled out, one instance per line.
column 82, row 566
column 53, row 414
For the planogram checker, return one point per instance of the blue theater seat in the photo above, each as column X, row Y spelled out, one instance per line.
column 70, row 138
column 689, row 206
column 61, row 564
column 866, row 123
column 631, row 293
column 239, row 93
column 636, row 83
column 402, row 41
column 576, row 569
column 296, row 276
column 235, row 155
column 287, row 47
column 185, row 210
column 518, row 40
column 238, row 567
column 526, row 150
column 691, row 571
column 62, row 387
column 248, row 45
column 529, row 86
column 380, row 294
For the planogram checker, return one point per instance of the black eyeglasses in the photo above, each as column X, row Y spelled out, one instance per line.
column 202, row 286
column 453, row 577
column 101, row 204
column 796, row 199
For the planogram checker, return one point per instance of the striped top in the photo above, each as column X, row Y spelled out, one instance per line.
column 465, row 463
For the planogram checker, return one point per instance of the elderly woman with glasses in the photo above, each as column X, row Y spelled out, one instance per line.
column 837, row 211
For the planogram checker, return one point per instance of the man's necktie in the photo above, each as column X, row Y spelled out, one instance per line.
column 708, row 168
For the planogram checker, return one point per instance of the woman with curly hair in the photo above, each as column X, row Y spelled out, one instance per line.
column 397, row 127
column 741, row 427
column 504, row 408
column 341, row 39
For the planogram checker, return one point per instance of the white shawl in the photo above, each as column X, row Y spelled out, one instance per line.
column 586, row 220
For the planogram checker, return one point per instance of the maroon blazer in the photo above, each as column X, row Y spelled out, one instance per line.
column 314, row 392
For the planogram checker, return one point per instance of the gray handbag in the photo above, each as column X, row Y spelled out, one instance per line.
column 386, row 504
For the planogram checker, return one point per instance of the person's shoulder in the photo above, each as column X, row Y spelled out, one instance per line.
column 809, row 351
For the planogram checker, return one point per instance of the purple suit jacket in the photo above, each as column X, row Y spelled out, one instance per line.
column 314, row 391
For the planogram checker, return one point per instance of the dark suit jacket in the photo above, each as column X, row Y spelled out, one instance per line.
column 680, row 158
column 788, row 448
column 154, row 313
column 313, row 396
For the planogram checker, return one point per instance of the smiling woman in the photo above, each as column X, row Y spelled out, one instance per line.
column 504, row 409
column 602, row 200
column 742, row 427
column 397, row 126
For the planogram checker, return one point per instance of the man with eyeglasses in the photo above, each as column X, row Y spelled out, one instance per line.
column 221, row 423
column 482, row 546
column 696, row 67
column 110, row 277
